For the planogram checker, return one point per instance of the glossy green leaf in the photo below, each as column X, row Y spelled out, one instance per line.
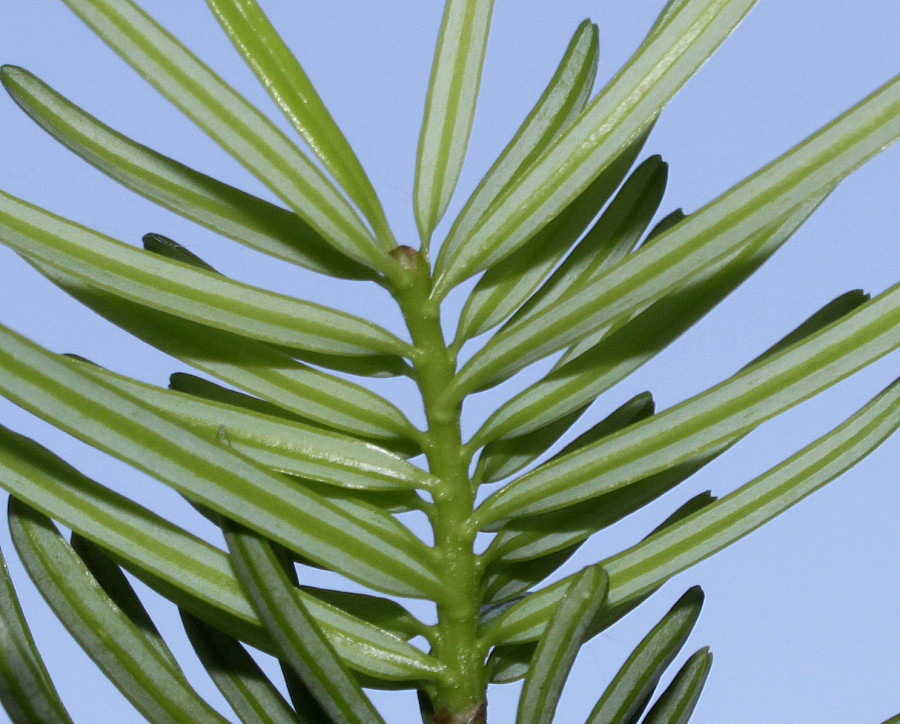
column 559, row 646
column 638, row 408
column 831, row 312
column 504, row 288
column 707, row 421
column 385, row 365
column 385, row 617
column 364, row 505
column 296, row 633
column 502, row 458
column 653, row 561
column 144, row 543
column 224, row 209
column 507, row 624
column 528, row 550
column 288, row 447
column 196, row 575
column 488, row 613
column 243, row 684
column 207, row 390
column 185, row 291
column 108, row 636
column 210, row 472
column 591, row 371
column 689, row 507
column 736, row 514
column 283, row 77
column 630, row 690
column 115, row 585
column 608, row 353
column 253, row 366
column 504, row 581
column 614, row 235
column 27, row 693
column 622, row 111
column 302, row 700
column 389, row 501
column 509, row 662
column 381, row 612
column 450, row 107
column 696, row 248
column 669, row 11
column 531, row 537
column 233, row 123
column 370, row 365
column 560, row 103
column 214, row 392
column 601, row 360
column 171, row 249
column 505, row 457
column 664, row 224
column 677, row 702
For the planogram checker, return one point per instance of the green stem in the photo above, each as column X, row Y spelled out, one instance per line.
column 459, row 699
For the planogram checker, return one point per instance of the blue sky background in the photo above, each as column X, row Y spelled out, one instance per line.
column 801, row 615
